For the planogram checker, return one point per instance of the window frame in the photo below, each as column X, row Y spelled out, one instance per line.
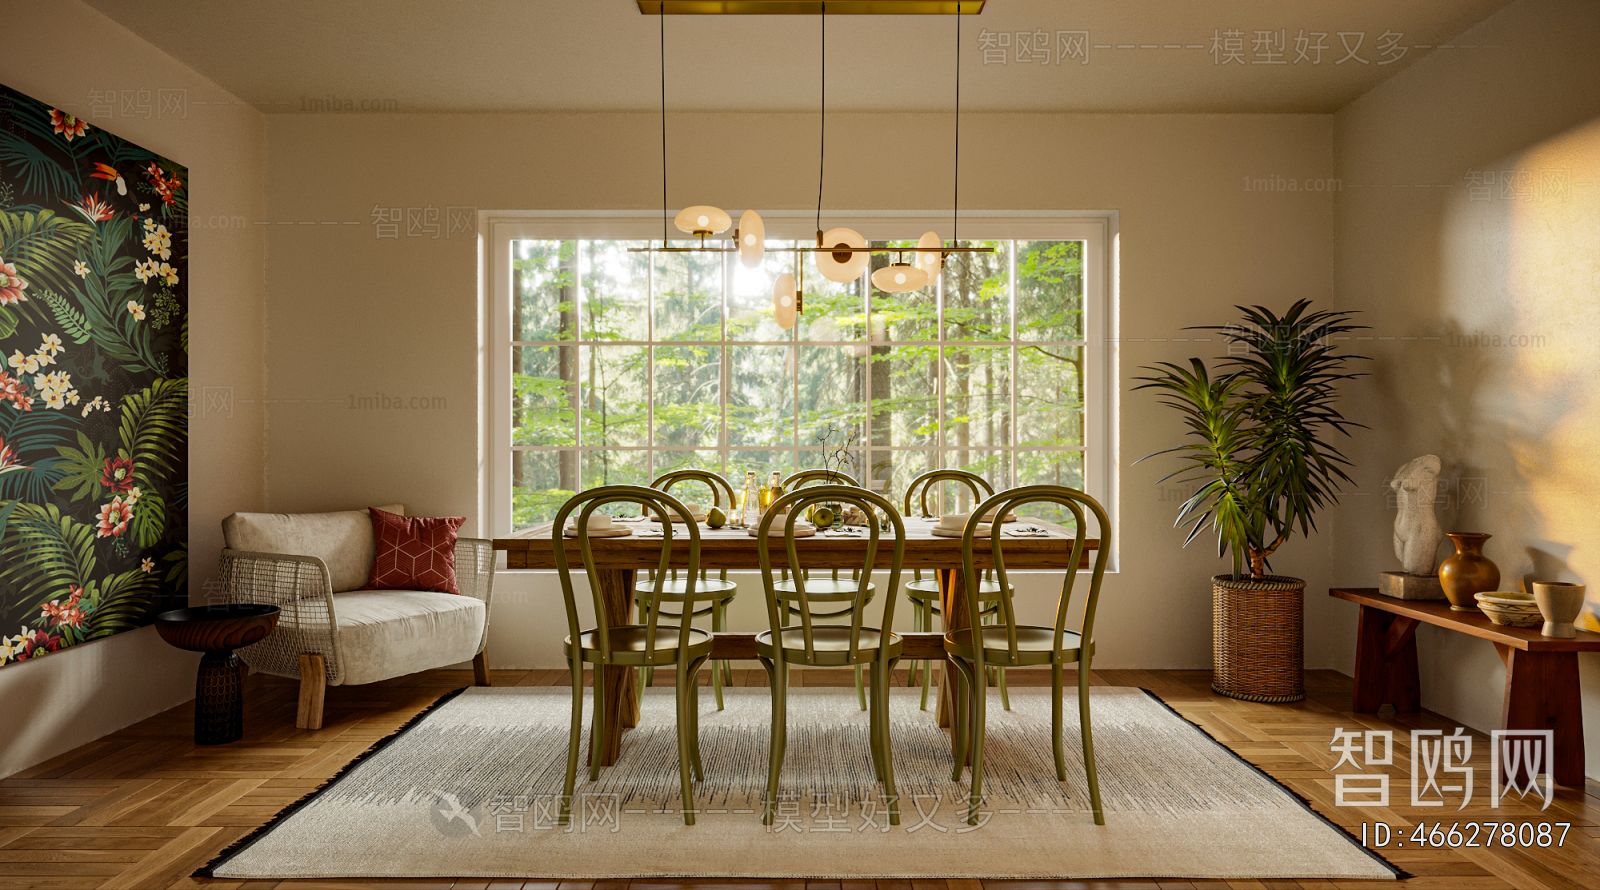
column 1097, row 231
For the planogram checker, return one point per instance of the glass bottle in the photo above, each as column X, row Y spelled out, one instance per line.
column 750, row 501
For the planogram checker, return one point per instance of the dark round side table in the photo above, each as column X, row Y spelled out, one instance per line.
column 218, row 690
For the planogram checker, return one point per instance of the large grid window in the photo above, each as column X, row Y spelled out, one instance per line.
column 626, row 365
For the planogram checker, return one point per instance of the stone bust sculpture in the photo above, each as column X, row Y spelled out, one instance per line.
column 1416, row 529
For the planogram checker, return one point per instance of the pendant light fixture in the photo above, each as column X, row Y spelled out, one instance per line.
column 786, row 300
column 752, row 238
column 842, row 254
column 898, row 278
column 839, row 258
column 701, row 220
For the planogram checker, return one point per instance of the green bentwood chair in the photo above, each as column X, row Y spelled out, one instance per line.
column 1008, row 643
column 833, row 589
column 670, row 590
column 923, row 593
column 634, row 645
column 807, row 643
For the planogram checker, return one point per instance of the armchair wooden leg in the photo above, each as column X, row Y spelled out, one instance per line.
column 480, row 668
column 313, row 686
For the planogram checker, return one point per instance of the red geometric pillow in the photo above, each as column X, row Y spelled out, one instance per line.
column 414, row 553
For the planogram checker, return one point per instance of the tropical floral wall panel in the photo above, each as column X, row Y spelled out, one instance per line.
column 94, row 366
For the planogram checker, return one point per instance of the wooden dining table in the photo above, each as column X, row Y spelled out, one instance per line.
column 619, row 559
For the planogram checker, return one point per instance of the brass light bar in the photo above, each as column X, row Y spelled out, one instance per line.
column 835, row 250
column 811, row 7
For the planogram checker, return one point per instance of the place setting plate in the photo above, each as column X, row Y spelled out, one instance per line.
column 572, row 532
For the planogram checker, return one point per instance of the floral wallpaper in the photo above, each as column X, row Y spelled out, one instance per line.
column 94, row 365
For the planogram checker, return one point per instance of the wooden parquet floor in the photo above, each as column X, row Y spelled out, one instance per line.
column 145, row 807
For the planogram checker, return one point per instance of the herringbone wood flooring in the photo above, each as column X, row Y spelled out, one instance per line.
column 144, row 807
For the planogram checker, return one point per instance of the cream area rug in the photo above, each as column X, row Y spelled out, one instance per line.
column 470, row 789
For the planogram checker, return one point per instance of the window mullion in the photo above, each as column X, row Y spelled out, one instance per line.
column 650, row 370
column 1016, row 367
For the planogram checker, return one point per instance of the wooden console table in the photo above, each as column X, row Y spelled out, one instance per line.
column 1541, row 672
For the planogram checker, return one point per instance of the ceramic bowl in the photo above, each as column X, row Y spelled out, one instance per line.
column 1508, row 601
column 1509, row 609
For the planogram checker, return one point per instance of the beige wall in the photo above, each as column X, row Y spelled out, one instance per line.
column 352, row 314
column 57, row 52
column 1429, row 258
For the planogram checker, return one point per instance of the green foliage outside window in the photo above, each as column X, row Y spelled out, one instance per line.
column 628, row 365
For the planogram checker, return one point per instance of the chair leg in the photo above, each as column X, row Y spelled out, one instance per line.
column 687, row 698
column 778, row 674
column 1055, row 722
column 927, row 666
column 960, row 695
column 719, row 669
column 980, row 693
column 1005, row 698
column 574, row 737
column 916, row 625
column 694, row 719
column 313, row 688
column 874, row 724
column 880, row 692
column 861, row 689
column 480, row 668
column 647, row 673
column 597, row 739
column 1088, row 744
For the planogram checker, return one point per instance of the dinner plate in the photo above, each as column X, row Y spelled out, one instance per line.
column 800, row 531
column 956, row 532
column 571, row 532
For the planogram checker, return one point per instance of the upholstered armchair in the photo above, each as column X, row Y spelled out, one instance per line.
column 330, row 631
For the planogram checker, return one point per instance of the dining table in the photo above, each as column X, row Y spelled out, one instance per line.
column 1027, row 545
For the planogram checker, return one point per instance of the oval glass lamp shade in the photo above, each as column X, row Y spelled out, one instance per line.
column 899, row 278
column 752, row 239
column 703, row 219
column 783, row 301
column 842, row 266
column 929, row 260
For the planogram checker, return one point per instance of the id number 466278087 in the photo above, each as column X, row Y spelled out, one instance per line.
column 1378, row 835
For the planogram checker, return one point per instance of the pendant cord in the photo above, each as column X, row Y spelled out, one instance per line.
column 955, row 201
column 822, row 129
column 664, row 229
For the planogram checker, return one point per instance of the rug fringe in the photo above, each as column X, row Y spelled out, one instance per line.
column 1399, row 873
column 244, row 843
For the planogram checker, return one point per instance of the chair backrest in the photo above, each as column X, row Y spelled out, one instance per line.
column 928, row 482
column 719, row 487
column 818, row 477
column 1008, row 501
column 796, row 501
column 664, row 506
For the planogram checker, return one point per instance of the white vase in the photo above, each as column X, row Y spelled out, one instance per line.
column 1559, row 604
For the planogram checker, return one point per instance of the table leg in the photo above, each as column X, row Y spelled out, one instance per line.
column 622, row 689
column 1386, row 663
column 953, row 603
column 1542, row 693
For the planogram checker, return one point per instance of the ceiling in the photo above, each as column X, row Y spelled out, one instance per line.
column 300, row 56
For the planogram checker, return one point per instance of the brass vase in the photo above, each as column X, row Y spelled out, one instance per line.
column 1468, row 571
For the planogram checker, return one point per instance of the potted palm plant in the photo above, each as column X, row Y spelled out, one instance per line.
column 1262, row 466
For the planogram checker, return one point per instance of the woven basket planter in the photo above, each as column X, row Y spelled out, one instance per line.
column 1258, row 638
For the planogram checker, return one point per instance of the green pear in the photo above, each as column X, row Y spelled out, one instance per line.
column 715, row 518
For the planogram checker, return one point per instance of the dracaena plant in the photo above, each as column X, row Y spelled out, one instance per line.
column 1260, row 427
